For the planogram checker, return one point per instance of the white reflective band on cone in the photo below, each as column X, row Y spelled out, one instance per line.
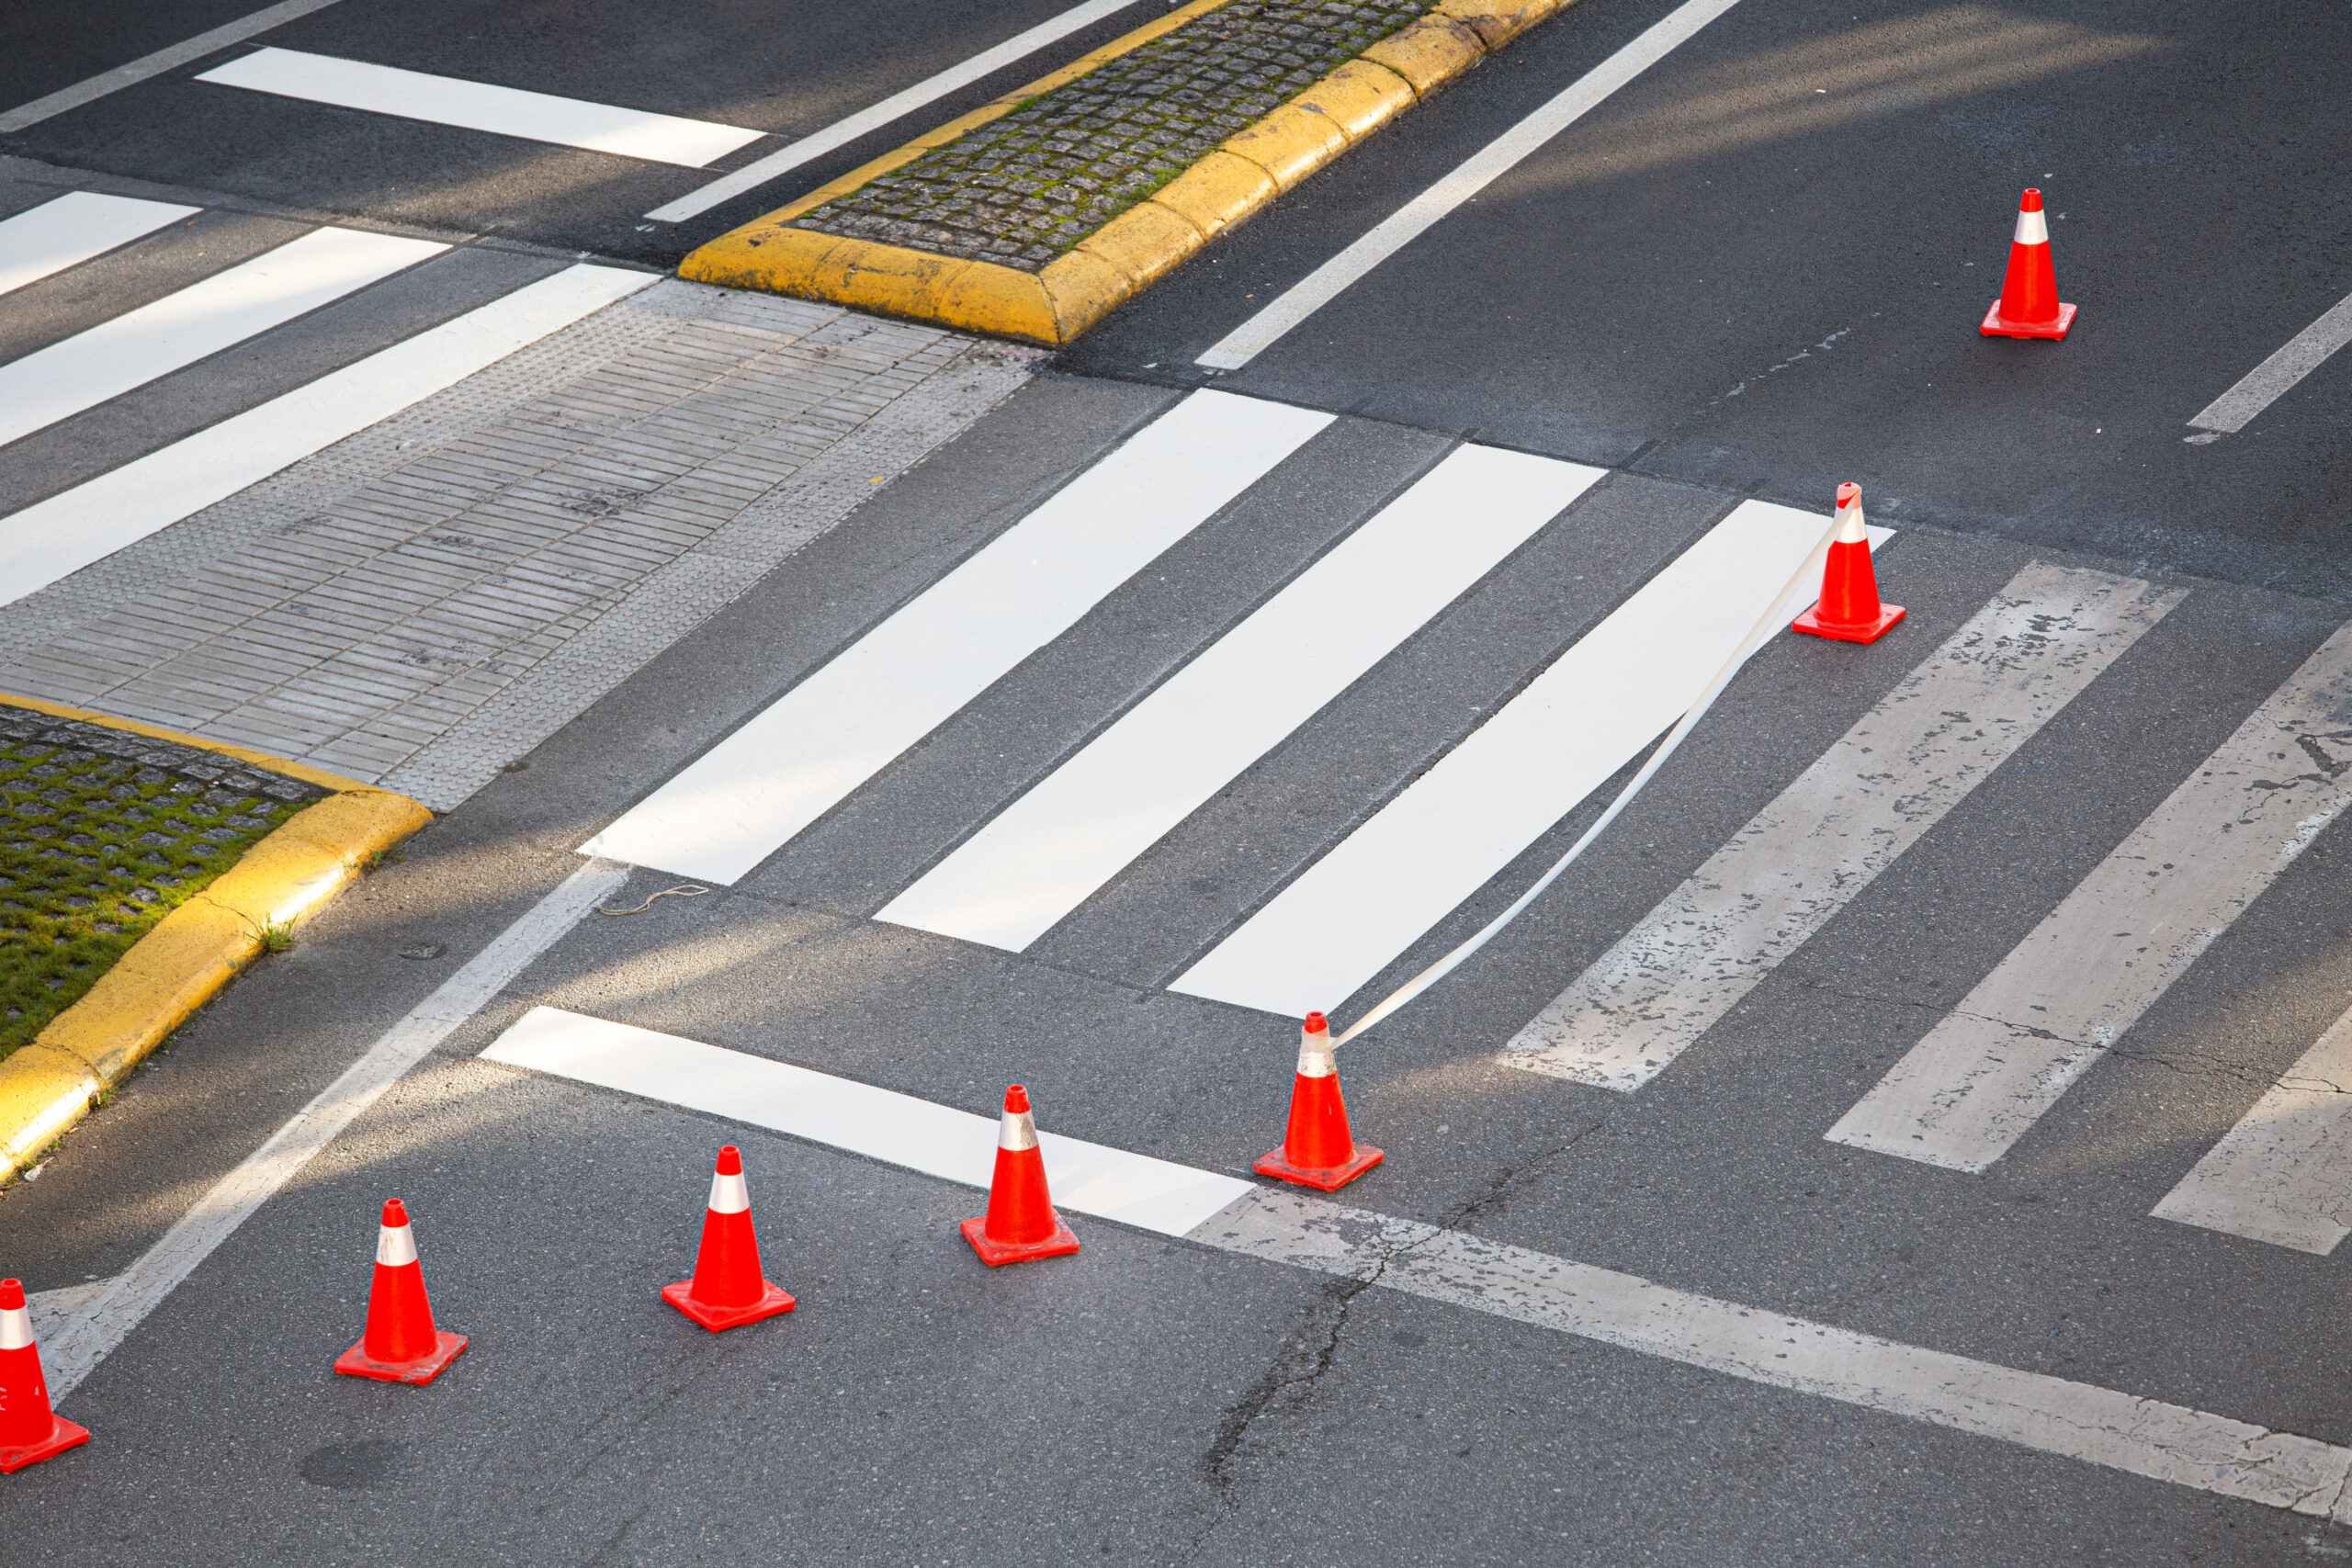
column 1851, row 529
column 1019, row 1132
column 2033, row 228
column 16, row 1329
column 729, row 1195
column 396, row 1246
column 1316, row 1057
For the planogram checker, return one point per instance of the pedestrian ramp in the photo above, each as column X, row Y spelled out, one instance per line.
column 1443, row 833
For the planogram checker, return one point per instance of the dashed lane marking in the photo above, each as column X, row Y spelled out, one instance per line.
column 1160, row 762
column 65, row 378
column 2098, row 1425
column 53, row 538
column 72, row 230
column 148, row 66
column 810, row 749
column 1992, row 685
column 479, row 106
column 2277, row 376
column 2068, row 993
column 841, row 132
column 1480, row 806
column 2284, row 1173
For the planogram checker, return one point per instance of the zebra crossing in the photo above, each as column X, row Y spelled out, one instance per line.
column 267, row 298
column 1093, row 814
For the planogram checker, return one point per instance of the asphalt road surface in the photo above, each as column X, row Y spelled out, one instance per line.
column 1944, row 1034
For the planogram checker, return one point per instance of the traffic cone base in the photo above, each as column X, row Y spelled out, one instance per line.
column 776, row 1301
column 1868, row 631
column 1328, row 1179
column 1996, row 327
column 63, row 1435
column 997, row 1254
column 355, row 1362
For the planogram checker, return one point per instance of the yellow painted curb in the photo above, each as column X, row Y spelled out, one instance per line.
column 1127, row 255
column 192, row 953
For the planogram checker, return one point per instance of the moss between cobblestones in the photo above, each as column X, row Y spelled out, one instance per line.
column 1026, row 188
column 107, row 832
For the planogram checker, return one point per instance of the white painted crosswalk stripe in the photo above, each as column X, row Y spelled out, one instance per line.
column 72, row 230
column 2284, row 1173
column 51, row 539
column 1479, row 808
column 134, row 348
column 1051, row 850
column 2173, row 1443
column 808, row 750
column 2065, row 995
column 480, row 106
column 1883, row 784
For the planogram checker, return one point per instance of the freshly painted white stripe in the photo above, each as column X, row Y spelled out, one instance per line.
column 63, row 380
column 2271, row 379
column 51, row 539
column 108, row 1317
column 1052, row 848
column 2068, row 993
column 1490, row 162
column 2284, row 1173
column 1485, row 802
column 2105, row 1426
column 479, row 106
column 841, row 132
column 898, row 1129
column 1871, row 796
column 148, row 66
column 70, row 230
column 2098, row 1425
column 807, row 750
column 395, row 1247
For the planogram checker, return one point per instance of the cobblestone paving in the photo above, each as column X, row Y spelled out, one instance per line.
column 424, row 602
column 1026, row 188
column 106, row 833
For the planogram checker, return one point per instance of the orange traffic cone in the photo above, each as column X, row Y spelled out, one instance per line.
column 1318, row 1149
column 728, row 1288
column 1848, row 609
column 401, row 1344
column 2028, row 304
column 29, row 1430
column 1021, row 1223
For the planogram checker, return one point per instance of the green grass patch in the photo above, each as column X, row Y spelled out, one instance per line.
column 102, row 833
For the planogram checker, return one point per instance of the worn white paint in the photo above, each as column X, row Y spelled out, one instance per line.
column 2068, row 993
column 1163, row 758
column 1993, row 684
column 2284, row 1173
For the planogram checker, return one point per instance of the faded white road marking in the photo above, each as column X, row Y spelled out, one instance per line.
column 2142, row 1437
column 106, row 1319
column 841, row 132
column 2275, row 376
column 479, row 106
column 2064, row 995
column 1871, row 796
column 1050, row 851
column 1590, row 713
column 2284, row 1173
column 1490, row 164
column 65, row 533
column 134, row 348
column 72, row 229
column 803, row 754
